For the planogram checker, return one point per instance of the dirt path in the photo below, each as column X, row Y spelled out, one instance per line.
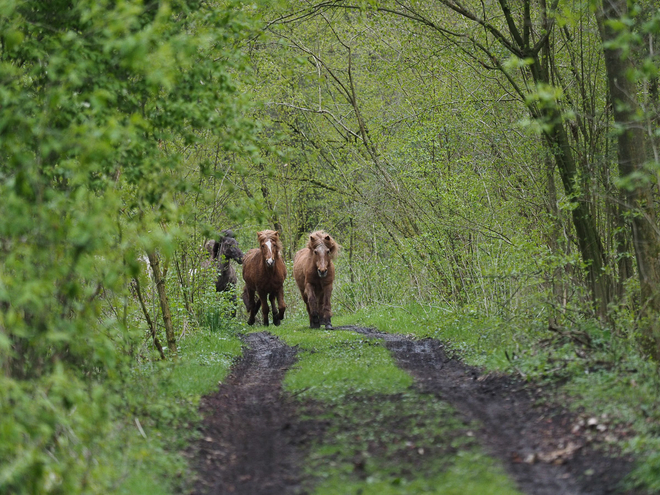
column 537, row 441
column 248, row 435
column 253, row 442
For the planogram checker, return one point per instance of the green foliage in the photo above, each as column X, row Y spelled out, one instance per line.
column 90, row 91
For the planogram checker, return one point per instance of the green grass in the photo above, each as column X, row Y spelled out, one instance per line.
column 205, row 359
column 335, row 363
column 403, row 444
column 470, row 473
column 344, row 371
column 408, row 442
column 480, row 340
column 609, row 376
column 167, row 399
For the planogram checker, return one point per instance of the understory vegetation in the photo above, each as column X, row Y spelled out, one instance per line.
column 491, row 172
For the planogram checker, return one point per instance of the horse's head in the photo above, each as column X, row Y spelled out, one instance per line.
column 324, row 249
column 270, row 245
column 228, row 247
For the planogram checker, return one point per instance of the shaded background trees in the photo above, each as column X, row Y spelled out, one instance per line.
column 477, row 145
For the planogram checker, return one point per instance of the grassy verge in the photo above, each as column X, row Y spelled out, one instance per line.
column 165, row 410
column 381, row 436
column 480, row 340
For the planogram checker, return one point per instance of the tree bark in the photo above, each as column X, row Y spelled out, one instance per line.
column 150, row 322
column 159, row 280
column 631, row 158
column 587, row 235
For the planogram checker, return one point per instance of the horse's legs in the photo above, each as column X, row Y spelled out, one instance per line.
column 280, row 303
column 326, row 309
column 276, row 316
column 263, row 297
column 248, row 299
column 233, row 302
column 312, row 307
column 309, row 313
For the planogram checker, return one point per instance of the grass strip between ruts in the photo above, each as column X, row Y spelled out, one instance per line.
column 380, row 436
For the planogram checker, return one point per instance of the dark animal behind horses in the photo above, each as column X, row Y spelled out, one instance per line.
column 314, row 272
column 221, row 252
column 225, row 250
column 264, row 272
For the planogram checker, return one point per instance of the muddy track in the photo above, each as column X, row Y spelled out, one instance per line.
column 533, row 438
column 247, row 446
column 253, row 443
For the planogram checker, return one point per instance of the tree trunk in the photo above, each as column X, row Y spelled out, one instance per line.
column 184, row 284
column 623, row 247
column 159, row 280
column 150, row 322
column 588, row 237
column 631, row 157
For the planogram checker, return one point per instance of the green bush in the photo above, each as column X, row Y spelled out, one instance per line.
column 90, row 93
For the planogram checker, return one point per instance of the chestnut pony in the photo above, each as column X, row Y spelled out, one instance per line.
column 314, row 273
column 264, row 272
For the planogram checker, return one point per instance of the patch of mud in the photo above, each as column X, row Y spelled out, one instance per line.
column 249, row 433
column 540, row 443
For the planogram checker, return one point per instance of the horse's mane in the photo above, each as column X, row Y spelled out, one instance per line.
column 212, row 247
column 322, row 237
column 274, row 236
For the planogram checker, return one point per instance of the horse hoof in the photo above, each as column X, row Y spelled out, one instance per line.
column 276, row 323
column 251, row 321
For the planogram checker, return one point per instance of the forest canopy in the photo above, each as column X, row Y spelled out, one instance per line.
column 498, row 158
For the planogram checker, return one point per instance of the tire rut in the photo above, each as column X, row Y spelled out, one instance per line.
column 518, row 425
column 248, row 434
column 253, row 442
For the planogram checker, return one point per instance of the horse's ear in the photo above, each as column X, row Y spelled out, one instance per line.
column 329, row 243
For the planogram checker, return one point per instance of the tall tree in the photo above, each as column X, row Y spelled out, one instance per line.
column 632, row 157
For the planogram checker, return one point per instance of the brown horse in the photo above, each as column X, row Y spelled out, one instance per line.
column 314, row 273
column 264, row 272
